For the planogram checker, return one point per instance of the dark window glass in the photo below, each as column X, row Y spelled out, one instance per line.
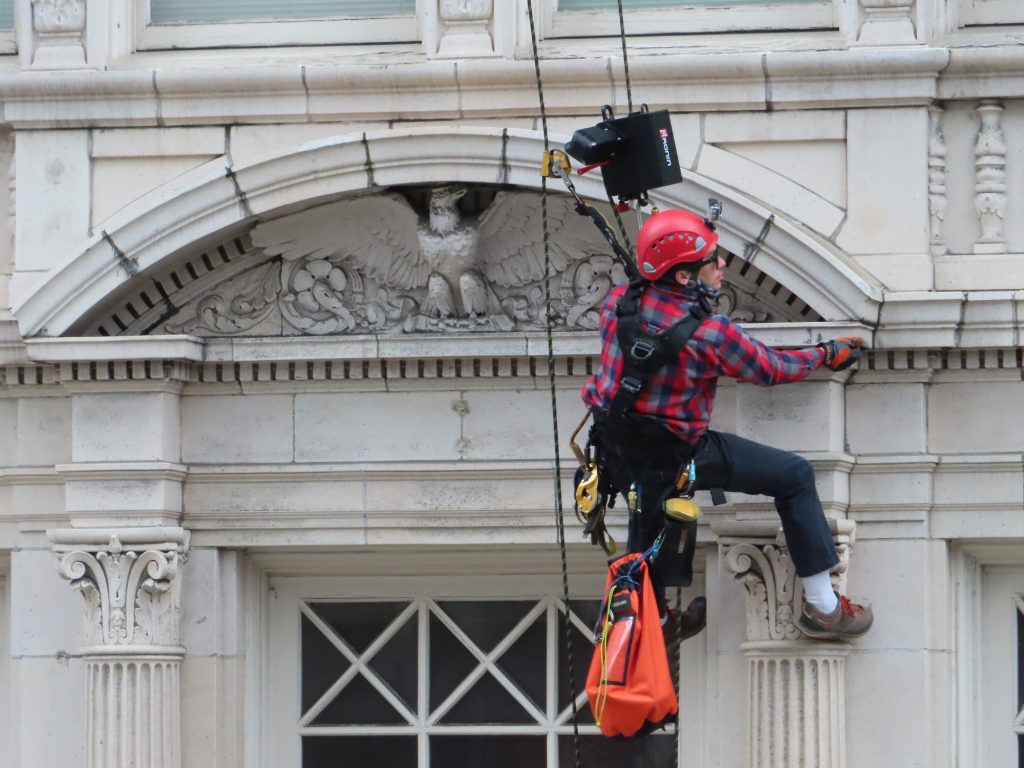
column 359, row 703
column 654, row 751
column 1020, row 659
column 358, row 624
column 450, row 661
column 486, row 623
column 487, row 702
column 322, row 664
column 396, row 663
column 1020, row 751
column 381, row 751
column 525, row 661
column 489, row 751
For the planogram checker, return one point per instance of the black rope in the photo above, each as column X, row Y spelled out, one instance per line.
column 559, row 512
column 625, row 58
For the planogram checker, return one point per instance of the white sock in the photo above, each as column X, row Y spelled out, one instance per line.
column 818, row 592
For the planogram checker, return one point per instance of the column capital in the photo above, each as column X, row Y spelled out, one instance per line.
column 756, row 553
column 128, row 579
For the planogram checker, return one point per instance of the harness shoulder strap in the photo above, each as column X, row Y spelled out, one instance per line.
column 644, row 353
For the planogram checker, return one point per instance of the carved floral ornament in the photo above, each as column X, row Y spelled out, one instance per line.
column 378, row 264
column 131, row 593
column 773, row 593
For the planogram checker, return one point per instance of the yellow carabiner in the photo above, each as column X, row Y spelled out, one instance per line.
column 586, row 491
column 555, row 163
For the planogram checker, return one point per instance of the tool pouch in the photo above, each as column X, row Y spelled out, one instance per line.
column 674, row 564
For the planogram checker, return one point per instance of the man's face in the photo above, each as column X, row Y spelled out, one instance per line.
column 713, row 274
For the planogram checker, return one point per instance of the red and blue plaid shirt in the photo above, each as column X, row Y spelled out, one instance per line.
column 682, row 393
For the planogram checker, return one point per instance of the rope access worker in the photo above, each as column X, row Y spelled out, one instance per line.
column 651, row 421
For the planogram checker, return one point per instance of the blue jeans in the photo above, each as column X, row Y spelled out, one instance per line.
column 735, row 464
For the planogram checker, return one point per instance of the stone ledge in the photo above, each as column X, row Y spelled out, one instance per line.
column 223, row 91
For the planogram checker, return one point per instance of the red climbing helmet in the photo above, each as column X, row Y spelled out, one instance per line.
column 673, row 237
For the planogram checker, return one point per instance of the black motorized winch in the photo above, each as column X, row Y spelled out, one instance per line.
column 637, row 153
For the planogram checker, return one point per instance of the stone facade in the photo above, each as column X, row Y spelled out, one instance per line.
column 273, row 313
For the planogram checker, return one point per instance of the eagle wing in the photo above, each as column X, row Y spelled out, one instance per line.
column 510, row 251
column 377, row 234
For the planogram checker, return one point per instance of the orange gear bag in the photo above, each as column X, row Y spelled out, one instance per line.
column 629, row 684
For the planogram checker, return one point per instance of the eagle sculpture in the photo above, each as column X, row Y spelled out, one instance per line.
column 456, row 259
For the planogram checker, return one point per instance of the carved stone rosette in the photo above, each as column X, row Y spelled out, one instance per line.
column 796, row 708
column 58, row 26
column 129, row 580
column 887, row 22
column 936, row 180
column 990, row 178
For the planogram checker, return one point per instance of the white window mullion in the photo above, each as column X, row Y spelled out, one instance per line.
column 422, row 683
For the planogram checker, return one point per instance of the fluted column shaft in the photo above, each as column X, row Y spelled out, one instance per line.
column 133, row 711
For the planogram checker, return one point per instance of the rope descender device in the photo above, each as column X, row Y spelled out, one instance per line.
column 590, row 496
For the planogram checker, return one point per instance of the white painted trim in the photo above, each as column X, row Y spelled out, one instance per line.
column 974, row 13
column 265, row 34
column 693, row 19
column 6, row 734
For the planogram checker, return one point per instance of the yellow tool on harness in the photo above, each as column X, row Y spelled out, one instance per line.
column 586, row 491
column 591, row 499
column 682, row 507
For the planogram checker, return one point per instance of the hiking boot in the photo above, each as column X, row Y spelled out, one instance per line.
column 848, row 621
column 686, row 624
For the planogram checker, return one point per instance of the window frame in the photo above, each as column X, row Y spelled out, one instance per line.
column 776, row 16
column 270, row 33
column 983, row 13
column 977, row 568
column 5, row 660
column 279, row 583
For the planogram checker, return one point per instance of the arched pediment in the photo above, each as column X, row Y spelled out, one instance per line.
column 198, row 239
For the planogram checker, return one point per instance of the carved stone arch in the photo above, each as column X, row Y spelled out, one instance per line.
column 218, row 202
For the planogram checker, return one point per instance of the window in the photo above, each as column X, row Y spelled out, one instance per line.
column 584, row 18
column 990, row 656
column 5, row 656
column 412, row 680
column 990, row 12
column 1002, row 674
column 240, row 23
column 7, row 27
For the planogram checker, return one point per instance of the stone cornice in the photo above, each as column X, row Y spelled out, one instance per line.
column 128, row 364
column 290, row 91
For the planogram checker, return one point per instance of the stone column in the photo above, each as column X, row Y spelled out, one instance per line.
column 990, row 178
column 133, row 653
column 796, row 708
column 936, row 180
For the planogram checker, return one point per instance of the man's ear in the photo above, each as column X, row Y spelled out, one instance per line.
column 682, row 277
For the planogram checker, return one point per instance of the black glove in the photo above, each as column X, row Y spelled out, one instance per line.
column 843, row 352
